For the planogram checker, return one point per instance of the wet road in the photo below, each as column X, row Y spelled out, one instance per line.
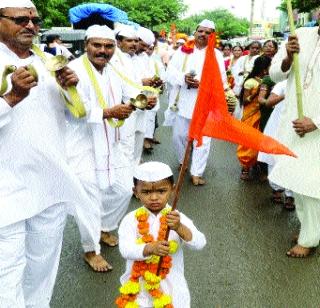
column 244, row 262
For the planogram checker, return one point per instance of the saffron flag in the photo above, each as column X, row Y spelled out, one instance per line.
column 211, row 118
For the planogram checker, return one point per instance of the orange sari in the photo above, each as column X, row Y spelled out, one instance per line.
column 251, row 116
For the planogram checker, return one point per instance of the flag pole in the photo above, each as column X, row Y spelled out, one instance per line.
column 177, row 191
column 296, row 66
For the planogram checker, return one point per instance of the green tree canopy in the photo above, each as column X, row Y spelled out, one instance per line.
column 302, row 5
column 146, row 13
column 226, row 23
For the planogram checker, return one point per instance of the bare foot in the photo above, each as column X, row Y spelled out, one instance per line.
column 197, row 180
column 109, row 239
column 298, row 251
column 97, row 262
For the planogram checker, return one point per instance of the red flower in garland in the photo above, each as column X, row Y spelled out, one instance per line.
column 188, row 47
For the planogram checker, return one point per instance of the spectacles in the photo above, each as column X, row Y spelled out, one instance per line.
column 24, row 20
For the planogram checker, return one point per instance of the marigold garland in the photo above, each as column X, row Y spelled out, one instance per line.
column 147, row 270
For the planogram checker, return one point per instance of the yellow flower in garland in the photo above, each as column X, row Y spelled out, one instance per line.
column 140, row 212
column 162, row 301
column 151, row 278
column 154, row 259
column 173, row 247
column 166, row 210
column 139, row 241
column 132, row 305
column 130, row 287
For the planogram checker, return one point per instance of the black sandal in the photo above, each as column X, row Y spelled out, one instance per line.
column 277, row 196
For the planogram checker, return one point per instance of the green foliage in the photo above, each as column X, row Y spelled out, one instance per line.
column 301, row 5
column 227, row 24
column 146, row 13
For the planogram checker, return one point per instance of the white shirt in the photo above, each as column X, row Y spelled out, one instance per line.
column 33, row 166
column 176, row 77
column 243, row 67
column 302, row 174
column 175, row 283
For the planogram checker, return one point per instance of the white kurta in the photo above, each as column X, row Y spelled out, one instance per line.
column 243, row 67
column 179, row 66
column 156, row 68
column 274, row 121
column 113, row 164
column 33, row 164
column 175, row 283
column 302, row 174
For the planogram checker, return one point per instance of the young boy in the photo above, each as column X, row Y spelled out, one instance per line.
column 142, row 243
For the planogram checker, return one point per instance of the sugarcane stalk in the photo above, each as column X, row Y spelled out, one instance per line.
column 296, row 65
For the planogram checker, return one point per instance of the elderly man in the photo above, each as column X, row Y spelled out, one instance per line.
column 105, row 95
column 35, row 181
column 301, row 175
column 184, row 72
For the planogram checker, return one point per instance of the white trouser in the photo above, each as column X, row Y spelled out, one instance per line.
column 199, row 154
column 150, row 124
column 274, row 186
column 138, row 147
column 116, row 199
column 29, row 259
column 308, row 212
column 87, row 214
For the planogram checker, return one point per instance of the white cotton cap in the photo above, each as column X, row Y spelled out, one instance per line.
column 16, row 4
column 146, row 35
column 152, row 171
column 98, row 31
column 207, row 24
column 126, row 31
column 181, row 41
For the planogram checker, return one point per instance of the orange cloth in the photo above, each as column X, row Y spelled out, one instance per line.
column 211, row 117
column 251, row 116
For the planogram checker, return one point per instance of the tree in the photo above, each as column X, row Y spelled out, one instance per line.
column 226, row 23
column 146, row 13
column 301, row 5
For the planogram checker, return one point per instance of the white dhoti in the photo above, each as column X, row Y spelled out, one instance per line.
column 116, row 199
column 87, row 215
column 29, row 258
column 138, row 146
column 308, row 212
column 199, row 154
column 150, row 123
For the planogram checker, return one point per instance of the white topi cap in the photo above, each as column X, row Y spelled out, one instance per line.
column 207, row 24
column 126, row 31
column 181, row 40
column 16, row 4
column 146, row 35
column 152, row 171
column 98, row 31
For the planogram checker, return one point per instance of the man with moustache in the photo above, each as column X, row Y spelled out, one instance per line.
column 183, row 73
column 302, row 136
column 36, row 181
column 94, row 144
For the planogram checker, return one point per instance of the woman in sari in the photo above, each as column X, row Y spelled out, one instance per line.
column 251, row 111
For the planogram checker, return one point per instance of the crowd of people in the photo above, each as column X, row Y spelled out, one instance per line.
column 72, row 140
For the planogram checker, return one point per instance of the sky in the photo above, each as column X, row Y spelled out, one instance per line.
column 240, row 8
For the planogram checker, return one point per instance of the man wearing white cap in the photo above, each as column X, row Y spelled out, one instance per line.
column 35, row 181
column 94, row 144
column 184, row 73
